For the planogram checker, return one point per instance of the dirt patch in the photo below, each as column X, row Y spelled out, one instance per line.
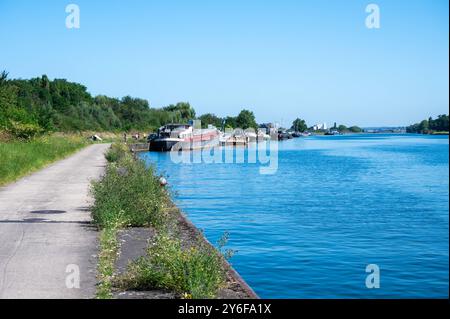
column 5, row 137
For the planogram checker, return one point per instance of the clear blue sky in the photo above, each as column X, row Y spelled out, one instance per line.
column 281, row 59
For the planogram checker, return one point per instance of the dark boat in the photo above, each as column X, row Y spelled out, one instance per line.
column 334, row 132
column 283, row 135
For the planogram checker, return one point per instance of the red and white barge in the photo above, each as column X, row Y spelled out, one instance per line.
column 183, row 137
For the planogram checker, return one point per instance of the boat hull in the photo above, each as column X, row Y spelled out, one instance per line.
column 168, row 145
column 162, row 145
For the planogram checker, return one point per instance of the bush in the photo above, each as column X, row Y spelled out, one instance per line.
column 24, row 131
column 196, row 272
column 355, row 129
column 116, row 152
column 129, row 194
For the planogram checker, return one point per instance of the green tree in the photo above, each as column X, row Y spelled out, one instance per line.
column 299, row 125
column 440, row 124
column 246, row 119
column 3, row 77
column 230, row 122
column 209, row 118
column 355, row 129
column 423, row 126
column 181, row 112
column 9, row 110
column 342, row 128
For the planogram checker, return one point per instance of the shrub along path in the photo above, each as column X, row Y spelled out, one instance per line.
column 46, row 238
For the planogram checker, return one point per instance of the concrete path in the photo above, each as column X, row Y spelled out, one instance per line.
column 45, row 231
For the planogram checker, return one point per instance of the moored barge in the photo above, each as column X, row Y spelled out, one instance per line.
column 183, row 137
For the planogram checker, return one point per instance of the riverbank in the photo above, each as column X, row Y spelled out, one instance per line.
column 440, row 133
column 148, row 249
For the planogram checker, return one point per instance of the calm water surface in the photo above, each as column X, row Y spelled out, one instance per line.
column 335, row 205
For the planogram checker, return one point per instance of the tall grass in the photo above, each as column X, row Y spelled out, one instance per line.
column 196, row 272
column 19, row 158
column 116, row 152
column 108, row 250
column 129, row 194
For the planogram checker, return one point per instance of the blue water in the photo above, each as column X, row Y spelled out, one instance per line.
column 335, row 205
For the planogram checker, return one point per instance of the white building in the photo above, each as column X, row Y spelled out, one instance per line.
column 321, row 126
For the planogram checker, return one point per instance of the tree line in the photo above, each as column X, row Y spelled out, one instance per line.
column 43, row 105
column 60, row 105
column 352, row 129
column 244, row 120
column 430, row 126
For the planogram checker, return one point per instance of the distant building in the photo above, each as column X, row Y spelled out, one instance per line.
column 321, row 126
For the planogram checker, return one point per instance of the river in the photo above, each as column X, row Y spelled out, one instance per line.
column 334, row 205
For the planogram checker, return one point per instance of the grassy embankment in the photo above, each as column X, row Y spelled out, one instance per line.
column 129, row 194
column 21, row 157
column 440, row 133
